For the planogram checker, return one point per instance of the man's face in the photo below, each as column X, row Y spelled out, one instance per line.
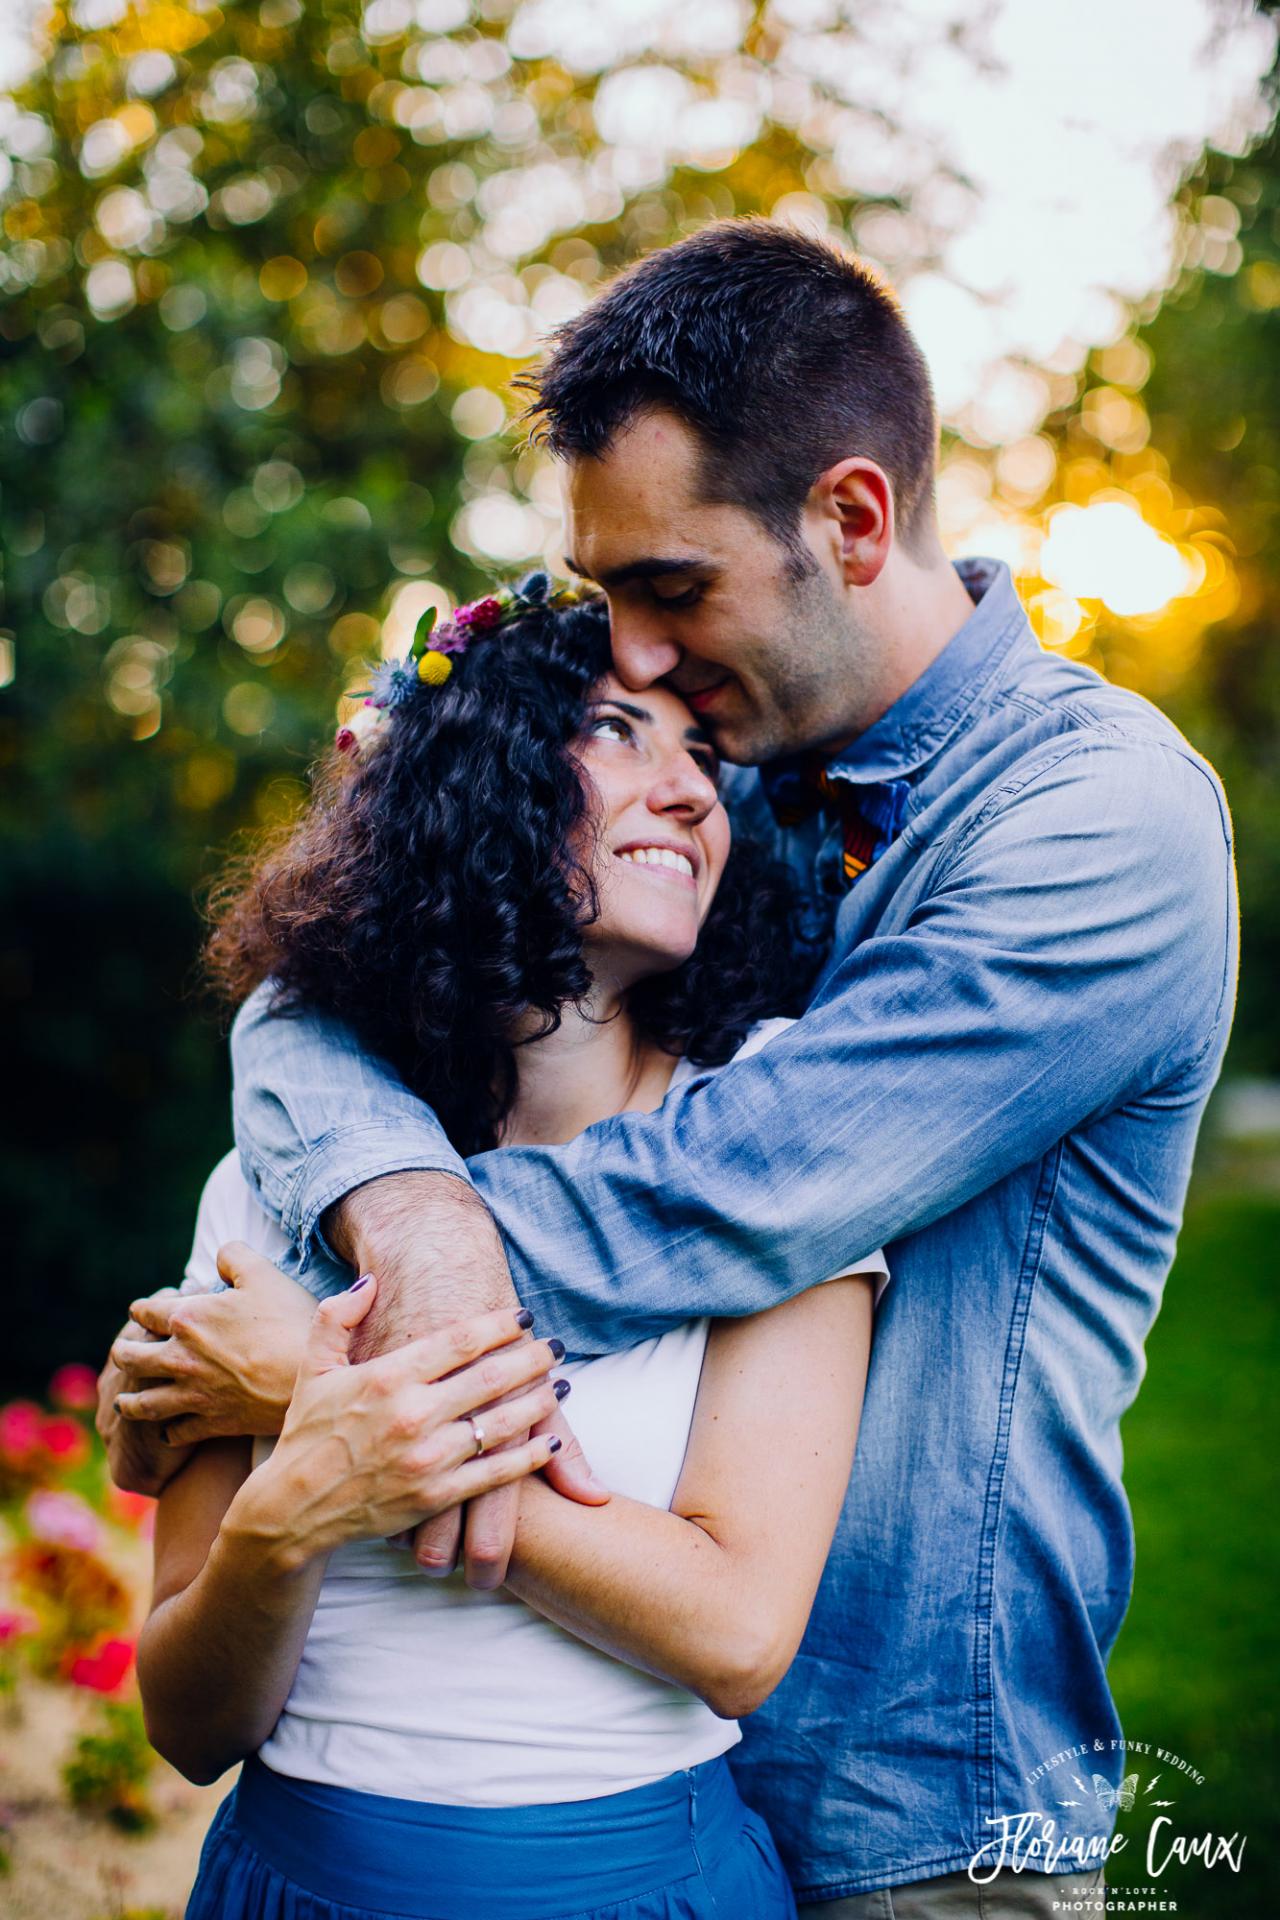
column 701, row 597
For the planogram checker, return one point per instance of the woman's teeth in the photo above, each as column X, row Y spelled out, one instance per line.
column 658, row 857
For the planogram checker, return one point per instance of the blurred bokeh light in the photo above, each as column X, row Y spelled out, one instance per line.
column 267, row 269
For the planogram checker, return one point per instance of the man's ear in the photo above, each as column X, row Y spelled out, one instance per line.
column 854, row 504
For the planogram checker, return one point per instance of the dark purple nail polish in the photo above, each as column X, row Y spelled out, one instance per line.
column 555, row 1443
column 561, row 1389
column 524, row 1319
column 363, row 1281
column 557, row 1349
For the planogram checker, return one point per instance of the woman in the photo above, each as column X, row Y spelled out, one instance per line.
column 518, row 888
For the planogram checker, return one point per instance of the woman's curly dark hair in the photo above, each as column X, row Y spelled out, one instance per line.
column 428, row 895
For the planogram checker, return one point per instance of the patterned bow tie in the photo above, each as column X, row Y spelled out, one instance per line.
column 870, row 816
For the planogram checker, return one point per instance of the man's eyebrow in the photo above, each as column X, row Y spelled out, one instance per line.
column 650, row 566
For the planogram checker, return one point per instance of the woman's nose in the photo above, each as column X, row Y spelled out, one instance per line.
column 685, row 789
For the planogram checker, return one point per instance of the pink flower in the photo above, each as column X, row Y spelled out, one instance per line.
column 20, row 1428
column 74, row 1386
column 105, row 1669
column 344, row 740
column 63, row 1520
column 65, row 1439
column 15, row 1626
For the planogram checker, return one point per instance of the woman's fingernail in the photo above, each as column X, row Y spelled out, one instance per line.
column 524, row 1319
column 554, row 1444
column 557, row 1349
column 561, row 1389
column 363, row 1281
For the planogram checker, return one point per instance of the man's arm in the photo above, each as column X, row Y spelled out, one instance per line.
column 1076, row 947
column 426, row 1234
column 316, row 1117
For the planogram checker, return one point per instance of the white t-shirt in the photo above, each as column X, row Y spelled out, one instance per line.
column 427, row 1690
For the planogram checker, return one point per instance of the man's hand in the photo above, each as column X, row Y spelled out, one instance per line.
column 434, row 1247
column 140, row 1459
column 205, row 1366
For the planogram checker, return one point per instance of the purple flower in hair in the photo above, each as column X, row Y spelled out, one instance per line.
column 450, row 638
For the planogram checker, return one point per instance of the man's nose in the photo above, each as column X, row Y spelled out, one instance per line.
column 642, row 654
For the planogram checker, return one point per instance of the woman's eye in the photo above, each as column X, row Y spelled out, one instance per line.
column 611, row 726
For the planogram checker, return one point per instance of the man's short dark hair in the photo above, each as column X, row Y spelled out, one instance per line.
column 783, row 355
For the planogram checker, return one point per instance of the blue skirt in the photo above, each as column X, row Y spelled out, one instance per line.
column 685, row 1848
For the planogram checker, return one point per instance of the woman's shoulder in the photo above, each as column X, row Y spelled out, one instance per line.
column 761, row 1034
column 229, row 1210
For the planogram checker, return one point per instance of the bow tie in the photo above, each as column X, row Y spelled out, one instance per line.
column 870, row 816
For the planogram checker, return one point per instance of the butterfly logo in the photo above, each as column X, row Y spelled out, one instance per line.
column 1121, row 1797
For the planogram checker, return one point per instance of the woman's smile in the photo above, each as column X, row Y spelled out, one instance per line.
column 662, row 859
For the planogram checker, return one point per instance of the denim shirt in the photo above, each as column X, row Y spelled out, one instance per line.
column 1000, row 1077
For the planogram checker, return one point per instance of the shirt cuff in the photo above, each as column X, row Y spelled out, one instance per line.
column 348, row 1158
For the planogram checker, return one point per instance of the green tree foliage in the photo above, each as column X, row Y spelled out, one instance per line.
column 266, row 269
column 1214, row 398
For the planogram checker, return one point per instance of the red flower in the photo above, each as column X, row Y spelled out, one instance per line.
column 105, row 1669
column 65, row 1439
column 480, row 616
column 344, row 740
column 74, row 1386
column 20, row 1424
column 135, row 1509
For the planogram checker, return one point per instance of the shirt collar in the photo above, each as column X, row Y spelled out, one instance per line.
column 934, row 707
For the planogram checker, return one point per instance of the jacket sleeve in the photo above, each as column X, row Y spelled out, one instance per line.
column 1075, row 949
column 315, row 1116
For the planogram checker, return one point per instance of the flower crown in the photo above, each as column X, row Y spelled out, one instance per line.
column 429, row 661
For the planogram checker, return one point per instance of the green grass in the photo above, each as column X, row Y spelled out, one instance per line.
column 1196, row 1666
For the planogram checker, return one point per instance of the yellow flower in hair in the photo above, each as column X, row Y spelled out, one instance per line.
column 435, row 668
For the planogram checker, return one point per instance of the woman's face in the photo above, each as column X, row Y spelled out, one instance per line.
column 661, row 834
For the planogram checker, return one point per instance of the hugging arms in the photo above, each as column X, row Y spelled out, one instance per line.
column 711, row 1594
column 962, row 1043
column 888, row 1105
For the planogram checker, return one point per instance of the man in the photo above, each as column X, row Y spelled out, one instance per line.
column 1019, row 882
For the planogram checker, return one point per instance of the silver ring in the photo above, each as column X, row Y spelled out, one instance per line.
column 478, row 1431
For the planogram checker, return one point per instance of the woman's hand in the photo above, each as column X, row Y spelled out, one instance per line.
column 214, row 1365
column 369, row 1450
column 140, row 1459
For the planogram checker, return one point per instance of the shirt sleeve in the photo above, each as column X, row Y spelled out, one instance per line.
column 1074, row 947
column 315, row 1117
column 1075, row 950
